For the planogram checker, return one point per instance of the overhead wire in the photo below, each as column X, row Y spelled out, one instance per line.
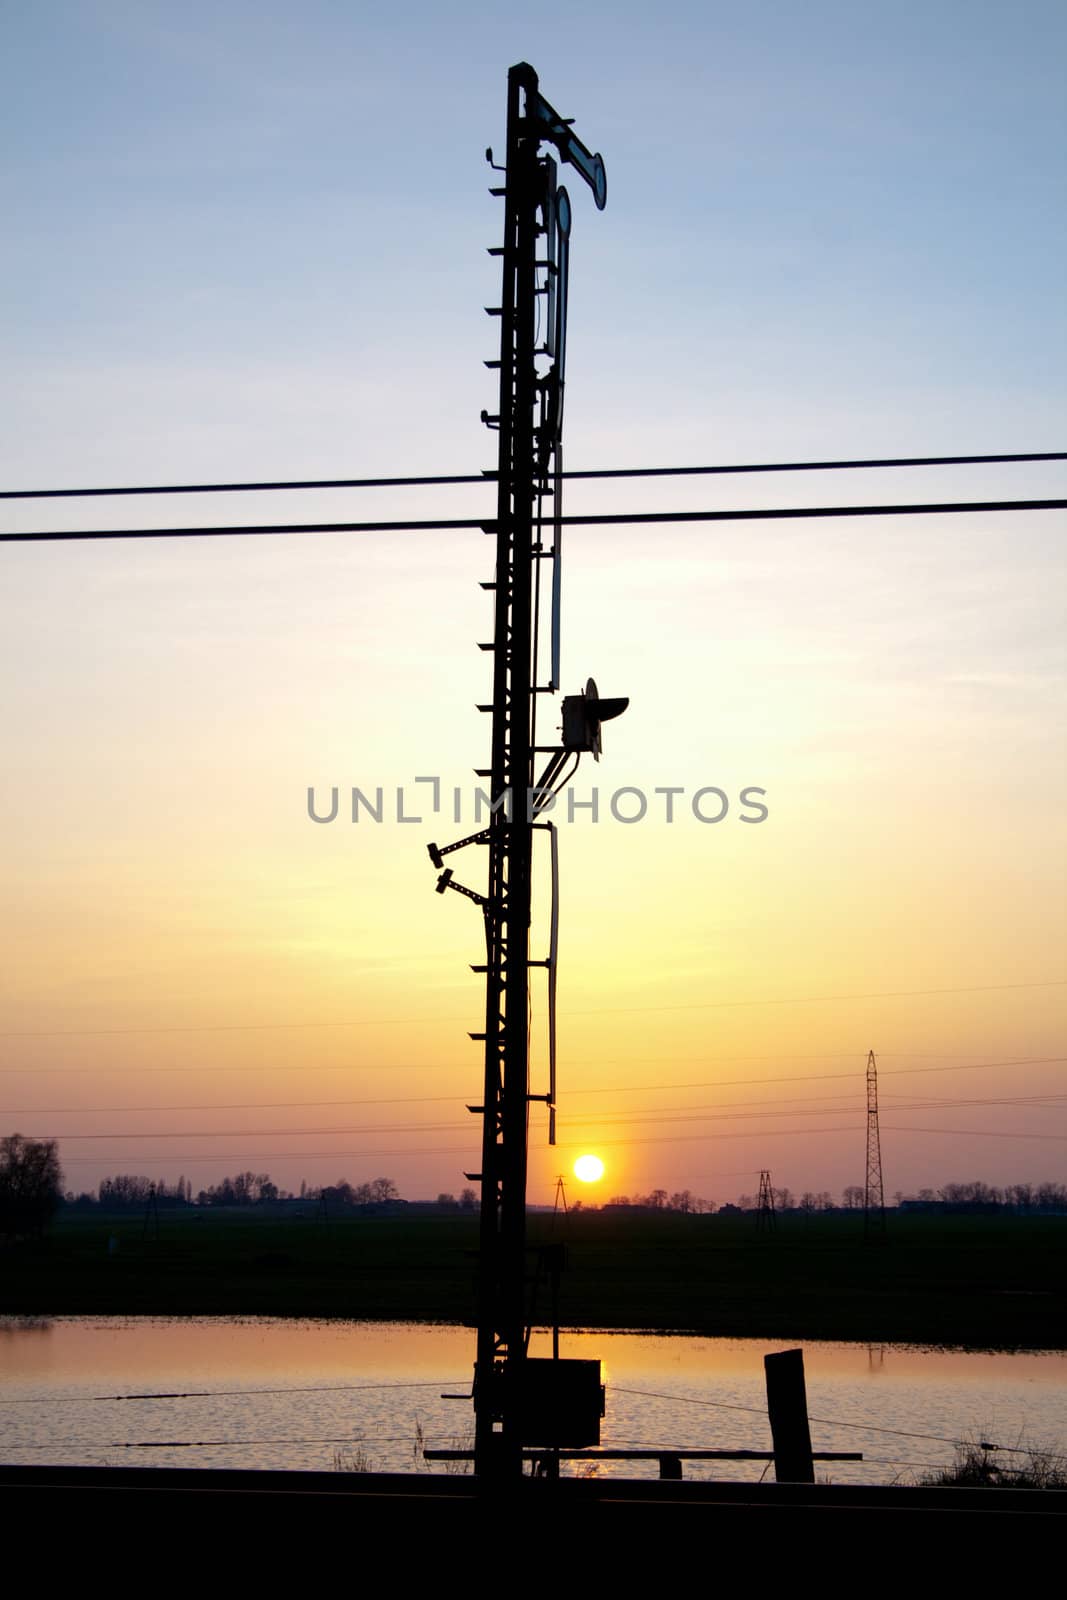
column 565, row 1143
column 590, row 1011
column 240, row 1394
column 829, row 1422
column 612, row 519
column 650, row 1114
column 979, row 1133
column 439, row 1099
column 646, row 1394
column 205, row 1444
column 438, row 480
column 615, row 1088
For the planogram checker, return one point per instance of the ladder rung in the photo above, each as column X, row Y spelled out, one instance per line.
column 495, row 249
column 489, row 646
column 476, row 1036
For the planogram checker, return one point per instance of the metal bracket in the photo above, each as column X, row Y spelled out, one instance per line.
column 446, row 881
column 436, row 852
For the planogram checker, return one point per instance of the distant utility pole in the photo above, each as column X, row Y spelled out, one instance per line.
column 873, row 1193
column 150, row 1228
column 766, row 1219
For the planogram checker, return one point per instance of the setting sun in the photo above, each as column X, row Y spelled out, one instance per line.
column 589, row 1169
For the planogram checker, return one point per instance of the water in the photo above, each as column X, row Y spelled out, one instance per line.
column 291, row 1394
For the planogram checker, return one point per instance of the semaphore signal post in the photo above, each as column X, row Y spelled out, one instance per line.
column 520, row 1402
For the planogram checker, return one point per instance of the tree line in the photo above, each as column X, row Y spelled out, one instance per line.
column 1019, row 1199
column 127, row 1191
column 31, row 1189
column 659, row 1200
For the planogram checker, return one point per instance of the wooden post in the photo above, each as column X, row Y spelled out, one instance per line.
column 787, row 1408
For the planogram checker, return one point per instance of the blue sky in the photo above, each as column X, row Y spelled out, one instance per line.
column 238, row 228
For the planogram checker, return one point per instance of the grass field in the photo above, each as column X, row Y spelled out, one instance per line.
column 990, row 1282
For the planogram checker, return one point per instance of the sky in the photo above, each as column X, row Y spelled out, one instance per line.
column 249, row 242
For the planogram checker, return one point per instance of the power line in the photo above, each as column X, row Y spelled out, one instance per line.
column 489, row 477
column 593, row 1011
column 728, row 1111
column 644, row 1394
column 408, row 1153
column 441, row 1150
column 449, row 1099
column 980, row 1133
column 615, row 1088
column 829, row 1422
column 820, row 999
column 653, row 1114
column 266, row 1133
column 612, row 519
column 240, row 1394
column 811, row 1077
column 205, row 1444
column 189, row 1157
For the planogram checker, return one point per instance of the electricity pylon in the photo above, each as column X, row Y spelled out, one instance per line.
column 766, row 1220
column 873, row 1192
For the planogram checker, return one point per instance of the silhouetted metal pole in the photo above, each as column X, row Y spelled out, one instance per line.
column 502, row 1265
column 873, row 1191
column 529, row 420
column 765, row 1214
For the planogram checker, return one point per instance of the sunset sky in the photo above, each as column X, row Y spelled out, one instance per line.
column 248, row 241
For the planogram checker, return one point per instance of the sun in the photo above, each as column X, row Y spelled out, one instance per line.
column 589, row 1169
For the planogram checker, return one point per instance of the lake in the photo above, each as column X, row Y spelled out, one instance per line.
column 296, row 1394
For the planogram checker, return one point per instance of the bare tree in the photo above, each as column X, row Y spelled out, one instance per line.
column 31, row 1184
